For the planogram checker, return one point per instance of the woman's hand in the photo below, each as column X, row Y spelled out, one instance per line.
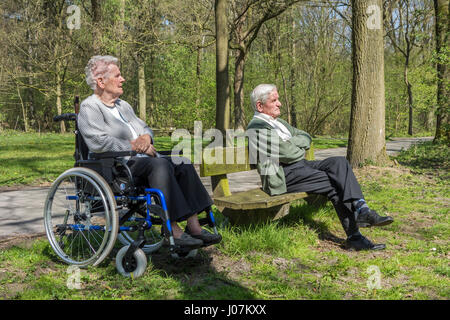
column 142, row 144
column 151, row 151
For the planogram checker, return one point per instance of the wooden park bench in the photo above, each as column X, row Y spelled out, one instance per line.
column 253, row 205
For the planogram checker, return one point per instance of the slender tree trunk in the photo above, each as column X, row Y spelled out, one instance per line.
column 409, row 38
column 24, row 110
column 411, row 109
column 142, row 91
column 239, row 115
column 29, row 92
column 121, row 28
column 58, row 71
column 292, row 79
column 410, row 96
column 151, row 90
column 441, row 8
column 197, row 78
column 367, row 120
column 222, row 80
column 198, row 74
column 58, row 96
column 96, row 24
column 219, row 183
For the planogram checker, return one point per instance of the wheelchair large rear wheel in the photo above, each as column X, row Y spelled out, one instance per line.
column 80, row 217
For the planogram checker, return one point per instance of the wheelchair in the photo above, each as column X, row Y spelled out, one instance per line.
column 97, row 202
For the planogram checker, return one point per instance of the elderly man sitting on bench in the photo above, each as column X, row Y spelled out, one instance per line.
column 332, row 177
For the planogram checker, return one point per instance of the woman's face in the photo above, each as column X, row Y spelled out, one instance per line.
column 113, row 83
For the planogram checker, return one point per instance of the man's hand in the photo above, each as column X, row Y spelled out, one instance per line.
column 141, row 144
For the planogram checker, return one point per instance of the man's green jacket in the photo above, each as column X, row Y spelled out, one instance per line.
column 274, row 152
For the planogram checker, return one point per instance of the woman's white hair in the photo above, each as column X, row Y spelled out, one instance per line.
column 261, row 93
column 98, row 66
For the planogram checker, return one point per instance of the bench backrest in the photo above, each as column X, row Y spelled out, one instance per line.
column 218, row 162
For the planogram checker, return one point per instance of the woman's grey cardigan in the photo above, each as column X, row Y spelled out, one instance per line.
column 102, row 132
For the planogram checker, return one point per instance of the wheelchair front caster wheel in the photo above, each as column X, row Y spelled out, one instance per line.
column 131, row 267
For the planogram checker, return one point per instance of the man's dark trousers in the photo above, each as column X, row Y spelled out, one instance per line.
column 332, row 177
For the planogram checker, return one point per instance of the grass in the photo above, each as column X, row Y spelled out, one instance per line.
column 297, row 257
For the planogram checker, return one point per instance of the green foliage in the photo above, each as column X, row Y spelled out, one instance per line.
column 165, row 36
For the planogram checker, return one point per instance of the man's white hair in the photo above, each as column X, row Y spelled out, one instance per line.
column 261, row 93
column 98, row 66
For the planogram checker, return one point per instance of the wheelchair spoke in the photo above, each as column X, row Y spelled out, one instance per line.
column 88, row 242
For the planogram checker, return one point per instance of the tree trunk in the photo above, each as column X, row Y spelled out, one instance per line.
column 441, row 8
column 96, row 24
column 292, row 79
column 367, row 120
column 59, row 72
column 410, row 97
column 219, row 183
column 121, row 28
column 222, row 81
column 239, row 115
column 142, row 92
column 197, row 78
column 58, row 97
column 151, row 90
column 24, row 110
column 198, row 75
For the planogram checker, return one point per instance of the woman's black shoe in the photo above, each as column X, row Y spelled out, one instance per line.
column 186, row 241
column 207, row 237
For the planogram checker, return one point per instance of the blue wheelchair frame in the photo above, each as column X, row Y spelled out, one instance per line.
column 147, row 219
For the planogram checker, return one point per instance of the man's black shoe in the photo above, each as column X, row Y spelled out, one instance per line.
column 372, row 219
column 362, row 243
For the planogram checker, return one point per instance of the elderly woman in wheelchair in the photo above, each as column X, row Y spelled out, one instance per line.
column 121, row 187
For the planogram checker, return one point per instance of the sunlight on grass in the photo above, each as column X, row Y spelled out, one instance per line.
column 297, row 257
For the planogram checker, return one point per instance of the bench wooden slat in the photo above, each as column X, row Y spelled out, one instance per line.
column 256, row 199
column 232, row 160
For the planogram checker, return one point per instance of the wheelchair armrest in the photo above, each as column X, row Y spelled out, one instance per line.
column 168, row 152
column 112, row 154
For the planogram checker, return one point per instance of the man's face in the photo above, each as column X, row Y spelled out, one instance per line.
column 272, row 105
column 113, row 82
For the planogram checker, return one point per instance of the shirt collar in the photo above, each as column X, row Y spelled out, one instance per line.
column 264, row 116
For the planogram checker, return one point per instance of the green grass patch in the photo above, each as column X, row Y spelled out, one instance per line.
column 297, row 257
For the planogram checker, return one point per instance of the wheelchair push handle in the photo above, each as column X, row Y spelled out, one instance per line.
column 66, row 117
